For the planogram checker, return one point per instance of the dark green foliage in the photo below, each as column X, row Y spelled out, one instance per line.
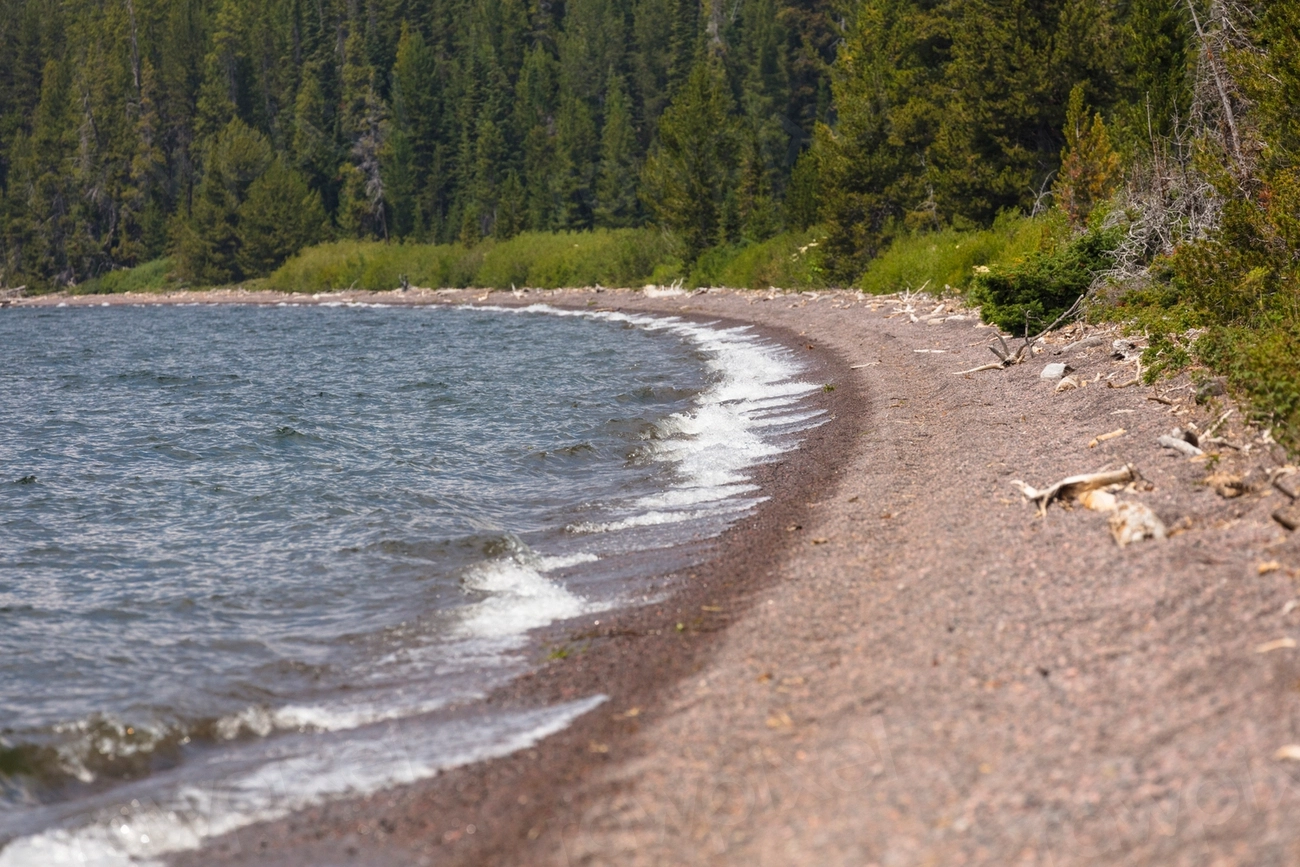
column 278, row 217
column 1028, row 296
column 1263, row 366
column 689, row 174
column 1240, row 285
column 250, row 213
column 427, row 120
column 950, row 113
column 207, row 243
column 1156, row 39
column 616, row 201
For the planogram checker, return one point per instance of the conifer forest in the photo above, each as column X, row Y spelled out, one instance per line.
column 233, row 133
column 1144, row 153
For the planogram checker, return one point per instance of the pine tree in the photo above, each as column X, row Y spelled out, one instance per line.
column 1158, row 60
column 577, row 147
column 1013, row 65
column 535, row 108
column 416, row 146
column 207, row 243
column 314, row 150
column 690, row 169
column 1089, row 166
column 872, row 166
column 279, row 216
column 616, row 200
column 364, row 122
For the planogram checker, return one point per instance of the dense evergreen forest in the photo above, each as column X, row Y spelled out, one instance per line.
column 233, row 132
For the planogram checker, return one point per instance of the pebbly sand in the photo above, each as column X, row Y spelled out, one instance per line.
column 896, row 661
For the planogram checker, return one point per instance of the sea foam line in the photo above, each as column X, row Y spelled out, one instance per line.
column 732, row 427
column 183, row 818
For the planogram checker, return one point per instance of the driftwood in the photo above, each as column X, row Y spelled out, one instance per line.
column 1212, row 429
column 1085, row 343
column 1006, row 357
column 1180, row 445
column 1101, row 438
column 1073, row 486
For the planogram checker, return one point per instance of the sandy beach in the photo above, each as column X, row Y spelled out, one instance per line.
column 897, row 660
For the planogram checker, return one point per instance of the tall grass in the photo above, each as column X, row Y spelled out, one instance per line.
column 152, row 276
column 945, row 261
column 553, row 260
column 375, row 266
column 544, row 260
column 791, row 260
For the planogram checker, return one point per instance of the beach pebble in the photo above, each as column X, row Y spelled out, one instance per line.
column 1056, row 370
column 1133, row 522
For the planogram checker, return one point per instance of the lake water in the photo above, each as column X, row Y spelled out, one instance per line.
column 254, row 557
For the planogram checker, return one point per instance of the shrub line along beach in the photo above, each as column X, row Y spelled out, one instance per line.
column 898, row 659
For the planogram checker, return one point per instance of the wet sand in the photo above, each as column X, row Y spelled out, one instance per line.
column 896, row 661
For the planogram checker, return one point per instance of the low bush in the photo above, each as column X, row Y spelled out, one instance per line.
column 545, row 260
column 375, row 266
column 155, row 276
column 946, row 260
column 1030, row 294
column 791, row 260
column 552, row 260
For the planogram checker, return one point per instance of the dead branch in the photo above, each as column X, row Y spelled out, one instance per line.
column 1180, row 445
column 1218, row 424
column 1072, row 486
column 996, row 365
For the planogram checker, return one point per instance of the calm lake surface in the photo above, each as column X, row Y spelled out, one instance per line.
column 253, row 557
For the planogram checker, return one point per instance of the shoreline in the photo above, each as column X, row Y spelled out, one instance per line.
column 925, row 671
column 631, row 657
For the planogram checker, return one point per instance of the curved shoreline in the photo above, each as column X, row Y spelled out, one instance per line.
column 931, row 674
column 632, row 657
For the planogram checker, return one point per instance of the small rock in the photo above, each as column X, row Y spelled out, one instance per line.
column 1208, row 389
column 1099, row 501
column 1288, row 484
column 1227, row 485
column 1288, row 516
column 1066, row 384
column 1055, row 370
column 1133, row 522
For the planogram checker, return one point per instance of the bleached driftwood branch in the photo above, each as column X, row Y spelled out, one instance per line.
column 1072, row 486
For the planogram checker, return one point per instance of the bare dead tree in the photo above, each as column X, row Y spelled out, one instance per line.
column 1167, row 200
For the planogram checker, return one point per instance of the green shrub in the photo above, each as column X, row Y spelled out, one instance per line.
column 946, row 260
column 791, row 260
column 375, row 266
column 1262, row 364
column 1032, row 293
column 155, row 276
column 546, row 260
column 552, row 260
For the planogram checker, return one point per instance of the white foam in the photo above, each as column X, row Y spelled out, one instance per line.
column 262, row 721
column 730, row 429
column 551, row 564
column 183, row 818
column 519, row 599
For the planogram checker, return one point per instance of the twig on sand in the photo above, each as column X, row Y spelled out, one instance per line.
column 1180, row 445
column 995, row 365
column 1005, row 358
column 1072, row 486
